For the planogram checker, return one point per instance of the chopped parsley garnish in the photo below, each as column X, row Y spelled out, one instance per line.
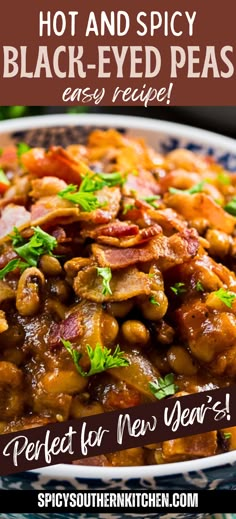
column 106, row 274
column 199, row 287
column 153, row 301
column 112, row 179
column 86, row 199
column 84, row 195
column 30, row 250
column 100, row 358
column 12, row 265
column 227, row 435
column 223, row 179
column 226, row 296
column 17, row 238
column 21, row 148
column 151, row 200
column 231, row 207
column 1, row 151
column 198, row 188
column 163, row 387
column 128, row 207
column 3, row 178
column 178, row 288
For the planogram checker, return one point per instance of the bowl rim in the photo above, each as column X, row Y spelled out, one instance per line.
column 67, row 471
column 144, row 472
column 119, row 121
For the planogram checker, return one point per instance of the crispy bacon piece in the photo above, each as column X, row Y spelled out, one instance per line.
column 130, row 241
column 121, row 258
column 200, row 204
column 16, row 200
column 109, row 198
column 144, row 184
column 57, row 162
column 181, row 247
column 169, row 251
column 121, row 234
column 13, row 216
column 116, row 229
column 8, row 159
column 168, row 219
column 70, row 329
column 46, row 186
column 124, row 284
column 52, row 210
column 180, row 179
column 125, row 153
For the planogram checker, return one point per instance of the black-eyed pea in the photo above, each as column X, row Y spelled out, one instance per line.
column 181, row 361
column 164, row 333
column 155, row 307
column 120, row 310
column 135, row 332
column 200, row 224
column 29, row 292
column 50, row 265
column 219, row 242
column 109, row 329
column 13, row 337
column 60, row 289
column 14, row 355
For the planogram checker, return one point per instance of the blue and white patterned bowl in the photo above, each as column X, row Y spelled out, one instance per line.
column 209, row 473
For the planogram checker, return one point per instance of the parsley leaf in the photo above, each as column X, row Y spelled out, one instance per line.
column 106, row 274
column 3, row 178
column 84, row 196
column 231, row 207
column 12, row 265
column 21, row 148
column 16, row 238
column 199, row 287
column 128, row 207
column 195, row 189
column 90, row 184
column 153, row 301
column 112, row 179
column 227, row 435
column 86, row 200
column 40, row 243
column 151, row 200
column 226, row 296
column 178, row 288
column 223, row 179
column 100, row 358
column 163, row 387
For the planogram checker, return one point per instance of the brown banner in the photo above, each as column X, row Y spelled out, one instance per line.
column 140, row 53
column 117, row 430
